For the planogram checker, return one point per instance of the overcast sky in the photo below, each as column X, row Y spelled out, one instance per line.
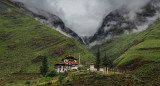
column 82, row 16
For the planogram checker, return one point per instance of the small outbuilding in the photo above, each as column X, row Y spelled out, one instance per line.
column 92, row 68
column 101, row 69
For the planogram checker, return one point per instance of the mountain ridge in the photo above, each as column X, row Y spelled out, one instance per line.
column 115, row 23
column 50, row 20
column 118, row 22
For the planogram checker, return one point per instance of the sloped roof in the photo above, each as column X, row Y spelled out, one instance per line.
column 69, row 57
column 63, row 64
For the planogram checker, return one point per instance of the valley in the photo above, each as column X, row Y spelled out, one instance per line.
column 26, row 38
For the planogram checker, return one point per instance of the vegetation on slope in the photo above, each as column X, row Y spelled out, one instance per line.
column 136, row 52
column 147, row 49
column 83, row 78
column 98, row 79
column 115, row 47
column 143, row 59
column 23, row 42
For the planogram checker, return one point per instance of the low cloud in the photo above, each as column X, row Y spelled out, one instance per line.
column 83, row 16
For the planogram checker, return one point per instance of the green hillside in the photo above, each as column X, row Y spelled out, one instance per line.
column 23, row 41
column 143, row 59
column 148, row 48
column 115, row 46
column 99, row 79
column 136, row 52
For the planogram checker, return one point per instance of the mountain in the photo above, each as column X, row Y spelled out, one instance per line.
column 125, row 21
column 137, row 54
column 121, row 31
column 24, row 41
column 133, row 48
column 143, row 58
column 117, row 22
column 50, row 20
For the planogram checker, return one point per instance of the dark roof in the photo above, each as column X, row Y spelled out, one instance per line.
column 65, row 64
column 69, row 57
column 62, row 64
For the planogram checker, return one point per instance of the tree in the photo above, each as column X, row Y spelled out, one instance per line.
column 98, row 59
column 107, row 62
column 44, row 68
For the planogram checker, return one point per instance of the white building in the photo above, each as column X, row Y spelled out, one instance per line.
column 69, row 63
column 101, row 69
column 92, row 68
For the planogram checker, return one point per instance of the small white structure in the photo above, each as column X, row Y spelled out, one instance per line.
column 68, row 63
column 101, row 69
column 92, row 68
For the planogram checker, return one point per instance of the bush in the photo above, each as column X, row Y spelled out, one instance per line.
column 65, row 74
column 49, row 83
column 11, row 82
column 27, row 82
column 92, row 73
column 53, row 73
column 82, row 68
column 62, row 76
column 74, row 77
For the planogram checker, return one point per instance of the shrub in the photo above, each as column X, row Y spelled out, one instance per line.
column 73, row 76
column 82, row 68
column 62, row 76
column 49, row 83
column 27, row 82
column 11, row 82
column 65, row 74
column 92, row 73
column 53, row 73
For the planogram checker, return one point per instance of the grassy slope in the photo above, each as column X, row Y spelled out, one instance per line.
column 144, row 58
column 99, row 79
column 22, row 39
column 136, row 50
column 147, row 50
column 84, row 78
column 116, row 46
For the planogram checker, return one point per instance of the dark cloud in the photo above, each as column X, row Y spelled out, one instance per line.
column 82, row 16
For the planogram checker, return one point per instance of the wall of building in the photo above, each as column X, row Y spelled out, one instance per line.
column 63, row 68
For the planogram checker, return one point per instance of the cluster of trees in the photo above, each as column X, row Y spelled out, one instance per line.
column 105, row 61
